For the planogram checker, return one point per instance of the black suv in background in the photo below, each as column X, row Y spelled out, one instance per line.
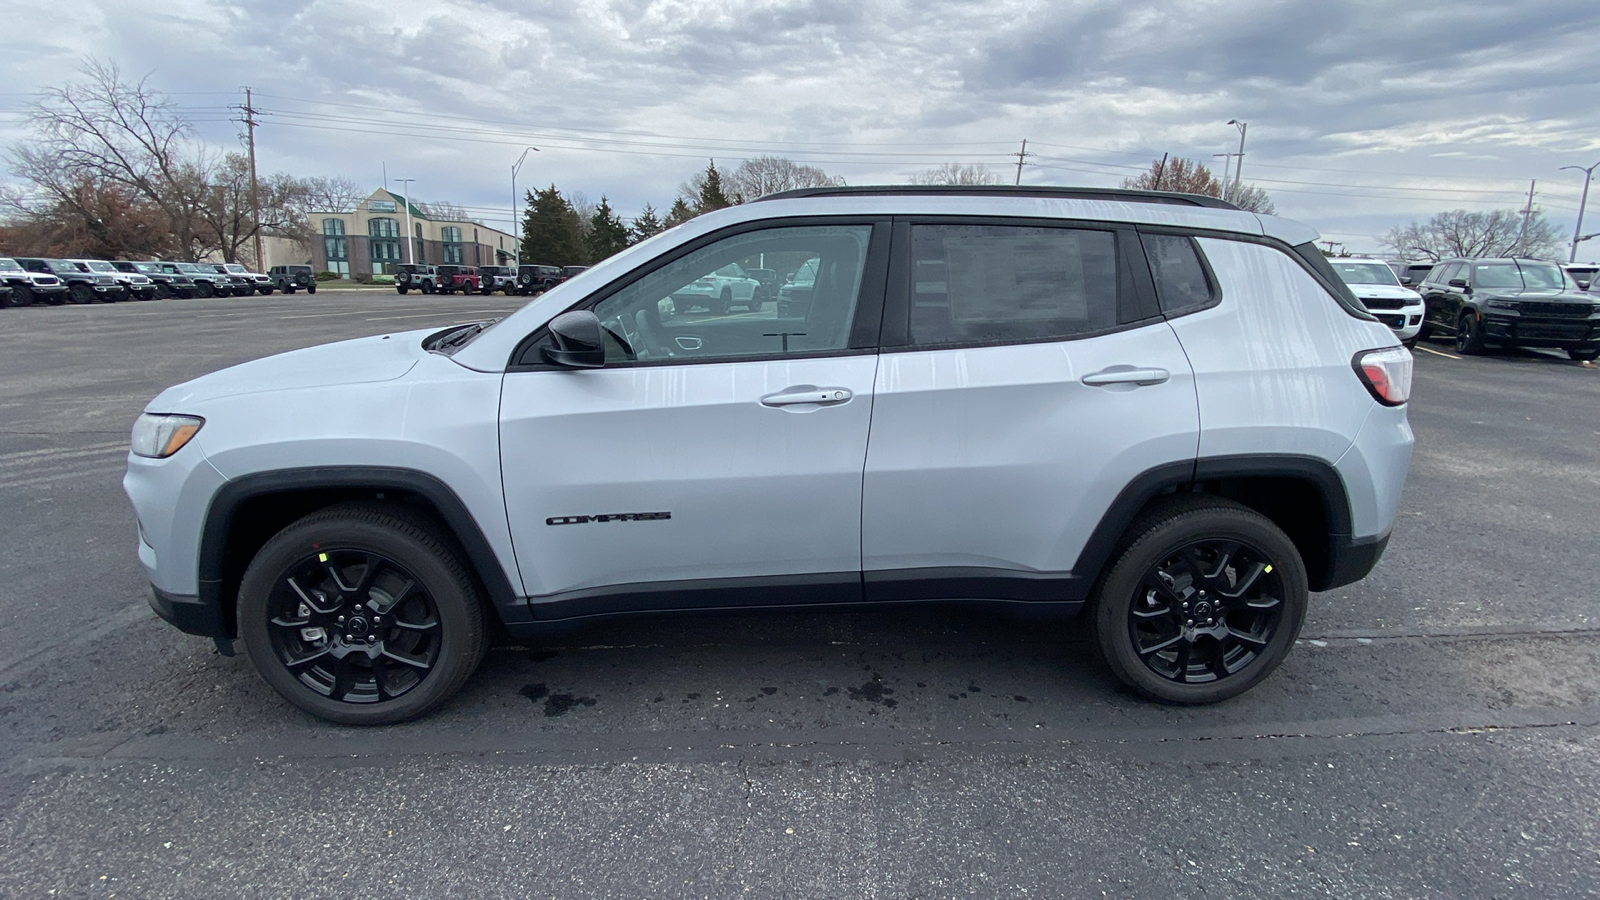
column 82, row 286
column 289, row 279
column 415, row 277
column 1512, row 303
column 168, row 284
column 533, row 278
column 25, row 287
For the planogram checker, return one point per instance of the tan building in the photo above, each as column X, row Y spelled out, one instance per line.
column 369, row 240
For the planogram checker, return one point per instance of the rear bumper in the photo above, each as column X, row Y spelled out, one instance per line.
column 1350, row 559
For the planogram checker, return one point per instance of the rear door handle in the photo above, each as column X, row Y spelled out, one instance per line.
column 807, row 393
column 1126, row 375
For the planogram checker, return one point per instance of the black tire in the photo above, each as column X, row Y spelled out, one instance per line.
column 427, row 287
column 8, row 297
column 265, row 291
column 347, row 557
column 81, row 293
column 22, row 295
column 1409, row 343
column 1236, row 642
column 288, row 289
column 1583, row 354
column 205, row 290
column 312, row 289
column 401, row 289
column 1469, row 335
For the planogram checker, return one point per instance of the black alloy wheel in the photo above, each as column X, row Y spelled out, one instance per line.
column 163, row 291
column 1583, row 354
column 427, row 287
column 81, row 293
column 21, row 295
column 1204, row 602
column 1469, row 335
column 205, row 289
column 359, row 614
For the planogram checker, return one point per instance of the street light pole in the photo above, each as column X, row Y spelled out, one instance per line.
column 516, row 243
column 1588, row 173
column 1238, row 166
column 411, row 256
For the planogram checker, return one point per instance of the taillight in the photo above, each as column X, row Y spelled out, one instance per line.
column 1386, row 373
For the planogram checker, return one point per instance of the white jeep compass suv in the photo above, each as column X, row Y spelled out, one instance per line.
column 1155, row 407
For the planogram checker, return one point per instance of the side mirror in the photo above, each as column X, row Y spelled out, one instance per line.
column 579, row 341
column 1458, row 282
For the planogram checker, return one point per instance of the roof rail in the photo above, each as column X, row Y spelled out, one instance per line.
column 1002, row 190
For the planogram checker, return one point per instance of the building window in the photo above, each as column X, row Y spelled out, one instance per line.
column 385, row 243
column 335, row 248
column 451, row 236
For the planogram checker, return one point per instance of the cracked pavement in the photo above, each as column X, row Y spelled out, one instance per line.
column 1434, row 734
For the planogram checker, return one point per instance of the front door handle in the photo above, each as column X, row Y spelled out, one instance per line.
column 807, row 393
column 1126, row 375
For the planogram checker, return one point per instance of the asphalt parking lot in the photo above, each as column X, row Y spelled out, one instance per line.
column 1435, row 734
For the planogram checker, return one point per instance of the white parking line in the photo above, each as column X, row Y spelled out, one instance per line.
column 1434, row 352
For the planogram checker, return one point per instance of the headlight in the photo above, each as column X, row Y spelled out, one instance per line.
column 1503, row 304
column 158, row 436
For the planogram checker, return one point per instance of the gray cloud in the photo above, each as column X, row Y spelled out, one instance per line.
column 1461, row 103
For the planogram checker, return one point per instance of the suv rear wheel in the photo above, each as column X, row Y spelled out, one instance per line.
column 360, row 614
column 1204, row 602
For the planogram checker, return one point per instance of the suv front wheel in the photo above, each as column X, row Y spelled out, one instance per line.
column 1469, row 335
column 1204, row 602
column 359, row 614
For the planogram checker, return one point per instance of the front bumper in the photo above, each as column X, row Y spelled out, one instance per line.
column 1540, row 331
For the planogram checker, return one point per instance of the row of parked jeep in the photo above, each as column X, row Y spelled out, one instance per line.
column 523, row 280
column 25, row 281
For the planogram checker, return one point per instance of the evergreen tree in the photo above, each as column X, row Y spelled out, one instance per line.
column 645, row 224
column 679, row 213
column 711, row 195
column 551, row 230
column 606, row 234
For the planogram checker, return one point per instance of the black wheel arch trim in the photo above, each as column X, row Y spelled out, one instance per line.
column 480, row 556
column 1178, row 476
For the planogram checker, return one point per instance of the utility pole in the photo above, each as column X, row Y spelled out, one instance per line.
column 1160, row 171
column 410, row 250
column 1227, row 166
column 1588, row 173
column 249, row 121
column 1023, row 155
column 1527, row 212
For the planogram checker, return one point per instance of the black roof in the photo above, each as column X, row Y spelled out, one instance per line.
column 1004, row 190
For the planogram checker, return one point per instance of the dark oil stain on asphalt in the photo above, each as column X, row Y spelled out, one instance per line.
column 554, row 704
column 874, row 691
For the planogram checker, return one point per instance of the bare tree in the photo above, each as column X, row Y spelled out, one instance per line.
column 104, row 130
column 1460, row 232
column 334, row 194
column 1190, row 176
column 227, row 219
column 956, row 173
column 765, row 175
column 445, row 211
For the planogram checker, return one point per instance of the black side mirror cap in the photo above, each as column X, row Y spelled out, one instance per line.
column 579, row 341
column 1458, row 282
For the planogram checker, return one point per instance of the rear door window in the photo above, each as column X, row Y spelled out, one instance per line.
column 973, row 284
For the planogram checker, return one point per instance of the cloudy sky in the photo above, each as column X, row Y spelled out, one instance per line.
column 1361, row 115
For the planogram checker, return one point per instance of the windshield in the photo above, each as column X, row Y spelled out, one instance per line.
column 236, row 269
column 1364, row 272
column 101, row 266
column 1514, row 275
column 9, row 265
column 147, row 268
column 188, row 267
